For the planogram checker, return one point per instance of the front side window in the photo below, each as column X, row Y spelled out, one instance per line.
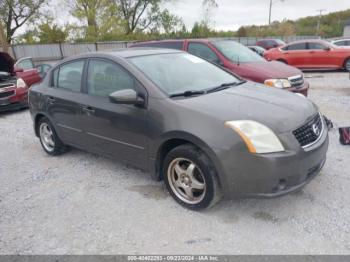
column 69, row 76
column 316, row 46
column 106, row 77
column 179, row 72
column 237, row 52
column 25, row 64
column 203, row 51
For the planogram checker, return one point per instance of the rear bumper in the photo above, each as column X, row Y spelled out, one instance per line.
column 271, row 175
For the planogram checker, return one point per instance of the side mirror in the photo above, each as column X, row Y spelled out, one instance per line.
column 327, row 48
column 18, row 70
column 126, row 97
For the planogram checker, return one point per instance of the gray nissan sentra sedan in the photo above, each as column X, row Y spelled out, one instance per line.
column 204, row 131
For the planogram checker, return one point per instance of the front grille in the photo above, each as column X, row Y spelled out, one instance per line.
column 7, row 94
column 6, row 85
column 296, row 81
column 310, row 132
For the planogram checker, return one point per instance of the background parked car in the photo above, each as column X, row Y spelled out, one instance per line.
column 270, row 43
column 341, row 42
column 257, row 49
column 311, row 54
column 240, row 60
column 43, row 69
column 15, row 79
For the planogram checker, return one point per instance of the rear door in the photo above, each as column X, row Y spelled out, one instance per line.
column 29, row 74
column 116, row 130
column 64, row 101
column 296, row 55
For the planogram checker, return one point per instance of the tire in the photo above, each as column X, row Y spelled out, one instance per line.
column 187, row 172
column 347, row 64
column 49, row 140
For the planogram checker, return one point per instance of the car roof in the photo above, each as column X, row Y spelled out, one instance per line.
column 124, row 53
column 308, row 41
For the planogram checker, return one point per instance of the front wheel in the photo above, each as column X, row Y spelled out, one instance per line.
column 347, row 65
column 190, row 178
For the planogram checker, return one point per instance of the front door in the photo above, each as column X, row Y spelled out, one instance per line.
column 115, row 130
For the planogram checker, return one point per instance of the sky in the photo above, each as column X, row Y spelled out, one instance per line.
column 231, row 14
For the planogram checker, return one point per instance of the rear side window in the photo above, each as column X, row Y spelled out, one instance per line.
column 178, row 45
column 106, row 77
column 69, row 76
column 203, row 51
column 299, row 46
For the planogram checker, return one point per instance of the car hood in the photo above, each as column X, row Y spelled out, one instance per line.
column 6, row 63
column 280, row 110
column 269, row 70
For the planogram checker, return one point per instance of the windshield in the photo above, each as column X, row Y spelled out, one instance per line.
column 179, row 72
column 237, row 53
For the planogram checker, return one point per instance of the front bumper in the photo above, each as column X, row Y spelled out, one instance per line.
column 271, row 175
column 17, row 101
column 304, row 90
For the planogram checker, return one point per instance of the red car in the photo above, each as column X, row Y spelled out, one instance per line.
column 267, row 44
column 311, row 54
column 241, row 61
column 15, row 80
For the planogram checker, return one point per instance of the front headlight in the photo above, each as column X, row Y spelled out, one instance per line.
column 279, row 83
column 258, row 138
column 20, row 83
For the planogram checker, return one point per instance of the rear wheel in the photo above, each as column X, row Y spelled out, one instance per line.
column 347, row 64
column 49, row 139
column 190, row 178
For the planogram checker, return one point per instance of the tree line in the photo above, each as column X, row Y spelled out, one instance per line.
column 110, row 20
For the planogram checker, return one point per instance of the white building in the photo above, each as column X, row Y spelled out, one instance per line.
column 347, row 29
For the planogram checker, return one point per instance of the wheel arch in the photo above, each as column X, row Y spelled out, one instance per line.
column 172, row 140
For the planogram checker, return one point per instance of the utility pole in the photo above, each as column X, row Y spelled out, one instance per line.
column 319, row 20
column 270, row 9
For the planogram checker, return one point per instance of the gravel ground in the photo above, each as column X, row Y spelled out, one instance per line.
column 80, row 203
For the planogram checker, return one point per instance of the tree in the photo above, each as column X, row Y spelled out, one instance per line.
column 139, row 14
column 51, row 33
column 209, row 7
column 3, row 41
column 15, row 13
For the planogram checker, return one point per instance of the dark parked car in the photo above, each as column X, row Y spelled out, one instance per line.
column 14, row 83
column 199, row 128
column 270, row 43
column 257, row 49
column 240, row 60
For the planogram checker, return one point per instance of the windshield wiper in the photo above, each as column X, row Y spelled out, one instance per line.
column 189, row 93
column 224, row 86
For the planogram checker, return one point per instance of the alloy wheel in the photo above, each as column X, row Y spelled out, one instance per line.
column 186, row 180
column 47, row 137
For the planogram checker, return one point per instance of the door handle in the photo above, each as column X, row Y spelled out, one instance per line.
column 88, row 109
column 51, row 99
